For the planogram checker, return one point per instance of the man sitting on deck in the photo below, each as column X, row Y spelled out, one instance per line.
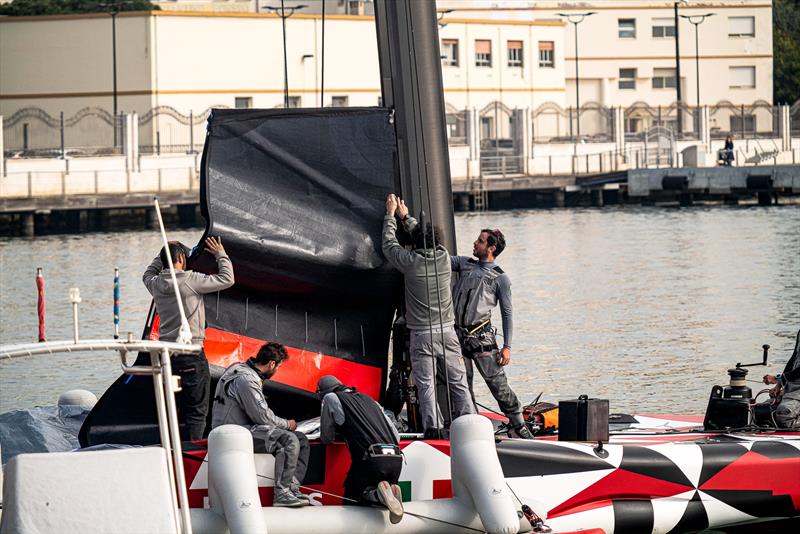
column 239, row 400
column 372, row 441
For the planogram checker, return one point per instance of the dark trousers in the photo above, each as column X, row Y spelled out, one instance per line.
column 495, row 377
column 193, row 399
column 364, row 476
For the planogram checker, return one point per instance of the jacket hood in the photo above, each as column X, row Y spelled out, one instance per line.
column 327, row 384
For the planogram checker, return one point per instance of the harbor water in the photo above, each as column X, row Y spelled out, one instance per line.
column 647, row 307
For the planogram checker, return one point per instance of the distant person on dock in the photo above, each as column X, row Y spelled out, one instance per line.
column 481, row 286
column 786, row 392
column 726, row 155
column 429, row 316
column 192, row 368
column 239, row 400
column 372, row 441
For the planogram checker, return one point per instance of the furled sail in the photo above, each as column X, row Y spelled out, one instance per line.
column 297, row 197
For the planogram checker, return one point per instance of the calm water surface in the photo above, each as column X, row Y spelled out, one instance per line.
column 645, row 307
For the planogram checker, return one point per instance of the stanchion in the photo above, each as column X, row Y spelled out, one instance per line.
column 116, row 302
column 40, row 304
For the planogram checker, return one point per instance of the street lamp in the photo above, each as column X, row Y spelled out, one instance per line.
column 678, row 64
column 282, row 13
column 115, row 9
column 575, row 19
column 697, row 20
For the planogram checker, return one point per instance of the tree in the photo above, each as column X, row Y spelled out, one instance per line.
column 19, row 8
column 786, row 50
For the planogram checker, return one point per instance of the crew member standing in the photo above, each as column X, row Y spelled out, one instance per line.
column 429, row 316
column 372, row 441
column 192, row 368
column 481, row 286
column 239, row 400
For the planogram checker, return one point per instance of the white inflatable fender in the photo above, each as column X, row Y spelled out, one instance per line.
column 477, row 476
column 232, row 484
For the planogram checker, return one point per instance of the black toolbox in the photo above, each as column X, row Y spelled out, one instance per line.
column 583, row 419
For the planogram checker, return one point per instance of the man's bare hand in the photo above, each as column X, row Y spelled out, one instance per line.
column 770, row 379
column 402, row 209
column 214, row 245
column 292, row 424
column 504, row 358
column 776, row 392
column 391, row 204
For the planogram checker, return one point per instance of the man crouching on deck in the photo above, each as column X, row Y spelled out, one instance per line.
column 239, row 400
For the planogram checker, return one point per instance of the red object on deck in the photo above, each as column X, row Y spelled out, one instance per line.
column 40, row 305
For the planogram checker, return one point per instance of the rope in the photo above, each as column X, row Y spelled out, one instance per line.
column 348, row 499
column 418, row 112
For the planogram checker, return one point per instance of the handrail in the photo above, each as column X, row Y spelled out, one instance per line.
column 54, row 347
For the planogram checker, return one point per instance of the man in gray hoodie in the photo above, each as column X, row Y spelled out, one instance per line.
column 239, row 400
column 429, row 315
column 192, row 368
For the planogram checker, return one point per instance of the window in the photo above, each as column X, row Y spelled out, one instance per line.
column 515, row 53
column 547, row 54
column 243, row 102
column 626, row 28
column 664, row 27
column 742, row 77
column 633, row 124
column 627, row 78
column 354, row 7
column 450, row 52
column 294, row 101
column 664, row 79
column 338, row 101
column 741, row 26
column 483, row 53
column 748, row 125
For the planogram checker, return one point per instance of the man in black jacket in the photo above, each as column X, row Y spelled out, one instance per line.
column 787, row 390
column 372, row 441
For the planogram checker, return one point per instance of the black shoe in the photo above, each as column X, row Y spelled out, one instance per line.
column 523, row 432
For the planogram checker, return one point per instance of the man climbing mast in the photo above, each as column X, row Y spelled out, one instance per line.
column 429, row 317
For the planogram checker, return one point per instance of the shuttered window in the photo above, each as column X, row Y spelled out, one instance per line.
column 483, row 53
column 664, row 79
column 450, row 52
column 741, row 27
column 515, row 53
column 664, row 27
column 626, row 28
column 627, row 78
column 547, row 54
column 742, row 77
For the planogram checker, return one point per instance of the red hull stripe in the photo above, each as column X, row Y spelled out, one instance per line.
column 303, row 368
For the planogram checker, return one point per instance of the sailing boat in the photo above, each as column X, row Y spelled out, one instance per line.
column 297, row 198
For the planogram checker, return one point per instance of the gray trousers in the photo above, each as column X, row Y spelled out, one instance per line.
column 290, row 449
column 422, row 347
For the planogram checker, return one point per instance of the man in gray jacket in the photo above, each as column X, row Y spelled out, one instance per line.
column 239, row 400
column 481, row 286
column 192, row 368
column 429, row 315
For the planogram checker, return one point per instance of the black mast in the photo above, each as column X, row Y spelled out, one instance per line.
column 411, row 84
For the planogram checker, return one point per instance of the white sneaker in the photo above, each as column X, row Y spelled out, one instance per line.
column 387, row 497
column 286, row 499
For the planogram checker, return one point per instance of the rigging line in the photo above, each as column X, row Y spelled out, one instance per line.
column 329, row 494
column 418, row 112
column 430, row 324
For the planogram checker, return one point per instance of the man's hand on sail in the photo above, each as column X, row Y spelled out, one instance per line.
column 391, row 205
column 214, row 245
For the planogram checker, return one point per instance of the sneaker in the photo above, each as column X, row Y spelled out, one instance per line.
column 387, row 497
column 523, row 432
column 286, row 499
column 299, row 495
column 398, row 493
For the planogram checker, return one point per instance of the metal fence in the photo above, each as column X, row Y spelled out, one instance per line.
column 32, row 132
column 164, row 129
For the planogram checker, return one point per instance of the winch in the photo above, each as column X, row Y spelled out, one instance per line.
column 730, row 407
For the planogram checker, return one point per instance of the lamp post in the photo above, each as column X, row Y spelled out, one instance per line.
column 282, row 13
column 697, row 20
column 114, row 8
column 575, row 19
column 675, row 5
